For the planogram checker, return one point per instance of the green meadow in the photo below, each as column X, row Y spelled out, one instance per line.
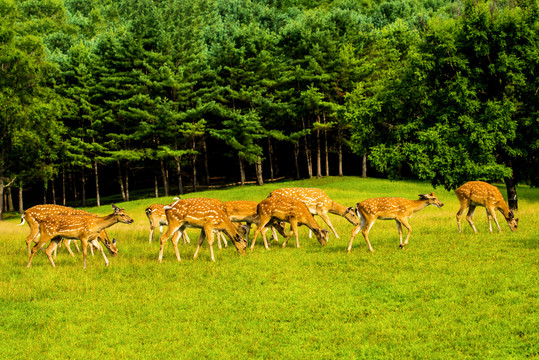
column 446, row 296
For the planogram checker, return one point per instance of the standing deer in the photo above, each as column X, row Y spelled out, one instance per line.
column 245, row 211
column 390, row 208
column 201, row 213
column 37, row 214
column 319, row 204
column 295, row 212
column 479, row 193
column 85, row 228
column 156, row 215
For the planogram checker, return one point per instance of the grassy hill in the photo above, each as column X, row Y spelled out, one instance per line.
column 447, row 295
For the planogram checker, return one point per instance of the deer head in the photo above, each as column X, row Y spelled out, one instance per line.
column 122, row 215
column 321, row 235
column 431, row 199
column 512, row 221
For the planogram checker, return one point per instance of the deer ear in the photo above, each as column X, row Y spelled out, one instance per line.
column 114, row 241
column 115, row 208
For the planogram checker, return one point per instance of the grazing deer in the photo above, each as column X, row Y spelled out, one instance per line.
column 390, row 208
column 85, row 228
column 287, row 209
column 319, row 204
column 201, row 213
column 479, row 193
column 244, row 211
column 37, row 214
column 156, row 215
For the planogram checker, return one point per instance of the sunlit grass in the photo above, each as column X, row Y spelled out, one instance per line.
column 447, row 295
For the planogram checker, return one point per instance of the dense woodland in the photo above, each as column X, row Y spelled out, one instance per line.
column 117, row 96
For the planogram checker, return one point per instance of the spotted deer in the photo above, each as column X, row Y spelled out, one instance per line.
column 85, row 228
column 201, row 213
column 390, row 208
column 245, row 211
column 157, row 217
column 319, row 204
column 38, row 213
column 479, row 193
column 295, row 212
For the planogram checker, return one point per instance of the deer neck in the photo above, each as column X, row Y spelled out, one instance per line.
column 419, row 205
column 337, row 209
column 504, row 209
column 105, row 222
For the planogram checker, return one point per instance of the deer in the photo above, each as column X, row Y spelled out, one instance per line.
column 319, row 203
column 38, row 213
column 157, row 217
column 479, row 193
column 246, row 211
column 295, row 212
column 201, row 213
column 390, row 208
column 85, row 228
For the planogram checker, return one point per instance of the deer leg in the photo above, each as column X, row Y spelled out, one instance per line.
column 266, row 244
column 84, row 244
column 260, row 227
column 200, row 241
column 325, row 217
column 407, row 226
column 175, row 240
column 50, row 249
column 492, row 213
column 164, row 239
column 67, row 243
column 210, row 235
column 355, row 231
column 399, row 228
column 34, row 233
column 185, row 237
column 471, row 210
column 463, row 206
column 365, row 232
column 274, row 234
column 152, row 228
column 37, row 246
column 100, row 248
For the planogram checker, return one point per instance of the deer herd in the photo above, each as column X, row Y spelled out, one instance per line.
column 54, row 224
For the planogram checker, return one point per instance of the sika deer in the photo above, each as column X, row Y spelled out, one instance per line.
column 85, row 228
column 37, row 214
column 156, row 215
column 319, row 204
column 287, row 209
column 246, row 211
column 202, row 213
column 390, row 208
column 479, row 193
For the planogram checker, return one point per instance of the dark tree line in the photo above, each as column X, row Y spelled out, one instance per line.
column 99, row 96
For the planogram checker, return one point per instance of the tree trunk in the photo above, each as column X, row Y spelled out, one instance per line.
column 318, row 154
column 206, row 164
column 127, row 181
column 83, row 192
column 259, row 173
column 1, row 194
column 242, row 171
column 9, row 198
column 339, row 151
column 63, row 186
column 156, row 187
column 270, row 155
column 511, row 186
column 97, row 197
column 21, row 204
column 296, row 159
column 121, row 181
column 179, row 171
column 326, row 147
column 165, row 177
column 44, row 192
column 307, row 152
column 194, row 159
column 364, row 166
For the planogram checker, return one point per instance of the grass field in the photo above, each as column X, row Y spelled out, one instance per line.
column 446, row 296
